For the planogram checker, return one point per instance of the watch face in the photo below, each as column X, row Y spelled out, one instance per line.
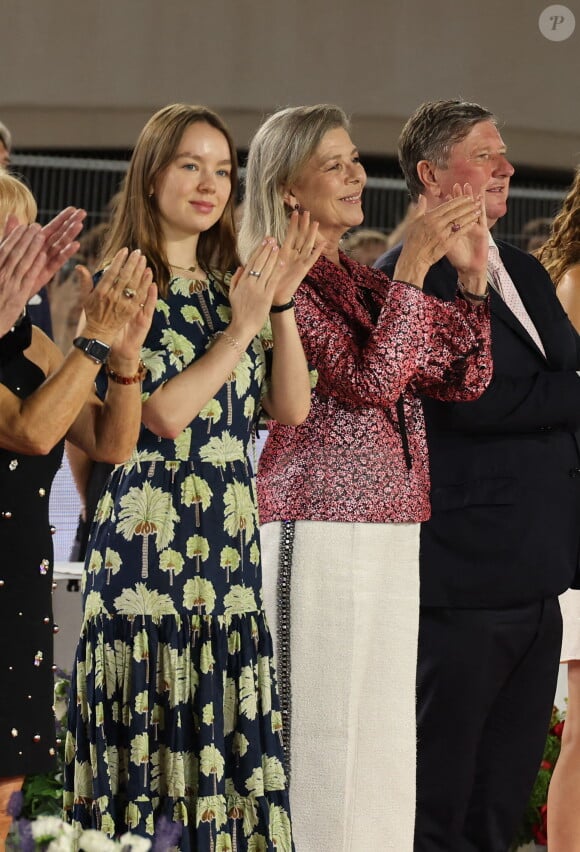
column 96, row 350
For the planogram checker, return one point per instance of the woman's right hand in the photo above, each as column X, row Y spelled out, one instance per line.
column 120, row 294
column 252, row 290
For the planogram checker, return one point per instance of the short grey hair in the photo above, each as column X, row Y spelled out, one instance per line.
column 431, row 132
column 5, row 137
column 278, row 152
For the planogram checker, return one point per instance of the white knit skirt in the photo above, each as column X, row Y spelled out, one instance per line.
column 343, row 605
column 570, row 606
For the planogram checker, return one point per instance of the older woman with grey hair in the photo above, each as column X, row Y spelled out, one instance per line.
column 342, row 495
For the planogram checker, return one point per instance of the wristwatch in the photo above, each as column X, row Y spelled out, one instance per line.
column 96, row 350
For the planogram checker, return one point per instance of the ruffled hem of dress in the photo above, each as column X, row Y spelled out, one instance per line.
column 177, row 716
column 220, row 822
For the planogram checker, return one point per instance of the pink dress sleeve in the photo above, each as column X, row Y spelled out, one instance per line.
column 418, row 340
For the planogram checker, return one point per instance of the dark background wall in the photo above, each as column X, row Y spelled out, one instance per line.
column 87, row 75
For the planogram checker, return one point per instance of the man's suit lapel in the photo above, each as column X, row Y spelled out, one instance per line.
column 533, row 306
column 501, row 311
column 498, row 307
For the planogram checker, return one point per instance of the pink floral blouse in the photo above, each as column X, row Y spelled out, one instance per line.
column 376, row 344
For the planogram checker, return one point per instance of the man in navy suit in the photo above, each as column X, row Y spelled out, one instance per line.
column 504, row 538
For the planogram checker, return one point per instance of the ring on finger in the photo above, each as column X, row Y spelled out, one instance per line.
column 129, row 293
column 455, row 226
column 254, row 273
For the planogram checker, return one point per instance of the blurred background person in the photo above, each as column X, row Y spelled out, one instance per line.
column 65, row 291
column 535, row 233
column 365, row 245
column 560, row 254
column 5, row 146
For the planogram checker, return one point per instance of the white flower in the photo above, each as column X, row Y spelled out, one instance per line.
column 50, row 828
column 95, row 841
column 134, row 843
column 61, row 844
column 55, row 835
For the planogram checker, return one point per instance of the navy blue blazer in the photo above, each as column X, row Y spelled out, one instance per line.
column 505, row 469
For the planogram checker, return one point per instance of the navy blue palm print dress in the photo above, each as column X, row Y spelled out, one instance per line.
column 174, row 708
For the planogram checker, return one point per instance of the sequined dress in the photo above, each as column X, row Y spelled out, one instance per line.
column 175, row 709
column 27, row 726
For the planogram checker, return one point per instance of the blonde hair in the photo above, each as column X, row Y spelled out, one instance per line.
column 562, row 248
column 278, row 153
column 136, row 222
column 15, row 198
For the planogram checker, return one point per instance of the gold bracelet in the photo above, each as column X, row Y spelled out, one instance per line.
column 127, row 380
column 231, row 340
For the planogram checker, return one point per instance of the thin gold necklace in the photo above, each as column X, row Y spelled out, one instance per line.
column 184, row 268
column 190, row 269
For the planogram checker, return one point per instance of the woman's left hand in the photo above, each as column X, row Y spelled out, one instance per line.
column 298, row 254
column 128, row 343
column 116, row 316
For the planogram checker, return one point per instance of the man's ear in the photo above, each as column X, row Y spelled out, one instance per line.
column 427, row 176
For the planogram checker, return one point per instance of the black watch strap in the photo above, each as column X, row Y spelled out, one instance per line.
column 94, row 349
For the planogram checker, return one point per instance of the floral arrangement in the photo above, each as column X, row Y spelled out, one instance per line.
column 53, row 835
column 37, row 809
column 534, row 826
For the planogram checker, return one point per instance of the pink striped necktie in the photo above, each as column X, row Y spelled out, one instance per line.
column 501, row 282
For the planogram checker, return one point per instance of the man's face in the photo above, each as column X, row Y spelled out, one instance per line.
column 479, row 159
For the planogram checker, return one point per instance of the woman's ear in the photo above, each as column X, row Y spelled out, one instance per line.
column 290, row 200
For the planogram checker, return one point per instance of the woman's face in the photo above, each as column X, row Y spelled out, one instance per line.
column 193, row 190
column 330, row 185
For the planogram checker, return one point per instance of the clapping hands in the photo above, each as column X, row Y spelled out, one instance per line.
column 273, row 274
column 457, row 228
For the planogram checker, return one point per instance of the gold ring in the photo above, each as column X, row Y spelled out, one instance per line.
column 254, row 273
column 128, row 293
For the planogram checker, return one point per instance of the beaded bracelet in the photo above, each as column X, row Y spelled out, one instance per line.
column 278, row 309
column 233, row 341
column 477, row 297
column 127, row 380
